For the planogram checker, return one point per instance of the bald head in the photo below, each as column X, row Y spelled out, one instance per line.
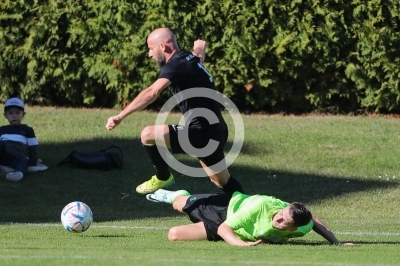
column 162, row 45
column 163, row 35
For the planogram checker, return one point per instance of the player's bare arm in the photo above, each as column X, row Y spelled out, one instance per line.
column 145, row 98
column 199, row 49
column 226, row 232
column 323, row 230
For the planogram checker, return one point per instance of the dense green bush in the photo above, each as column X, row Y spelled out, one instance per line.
column 267, row 55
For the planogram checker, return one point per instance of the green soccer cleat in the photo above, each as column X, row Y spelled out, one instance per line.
column 166, row 196
column 153, row 184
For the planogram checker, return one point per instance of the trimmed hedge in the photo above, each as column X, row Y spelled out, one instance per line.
column 266, row 55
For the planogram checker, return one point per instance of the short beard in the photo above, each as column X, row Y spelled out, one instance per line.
column 160, row 59
column 160, row 63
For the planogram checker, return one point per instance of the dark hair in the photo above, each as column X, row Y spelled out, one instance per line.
column 300, row 214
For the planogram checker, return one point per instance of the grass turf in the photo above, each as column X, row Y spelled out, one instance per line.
column 343, row 168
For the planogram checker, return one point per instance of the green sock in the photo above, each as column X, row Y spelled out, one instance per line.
column 172, row 196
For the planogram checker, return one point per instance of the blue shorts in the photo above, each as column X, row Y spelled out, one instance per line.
column 18, row 163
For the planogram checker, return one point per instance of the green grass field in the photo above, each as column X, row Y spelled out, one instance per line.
column 345, row 169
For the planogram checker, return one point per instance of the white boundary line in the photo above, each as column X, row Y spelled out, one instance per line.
column 171, row 261
column 92, row 226
column 189, row 261
column 167, row 228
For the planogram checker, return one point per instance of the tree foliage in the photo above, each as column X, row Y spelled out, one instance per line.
column 267, row 55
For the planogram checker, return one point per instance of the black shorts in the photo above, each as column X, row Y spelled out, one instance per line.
column 199, row 138
column 210, row 209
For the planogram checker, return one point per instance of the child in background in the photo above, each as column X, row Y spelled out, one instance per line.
column 17, row 141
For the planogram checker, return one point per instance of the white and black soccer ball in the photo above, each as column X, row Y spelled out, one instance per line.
column 76, row 217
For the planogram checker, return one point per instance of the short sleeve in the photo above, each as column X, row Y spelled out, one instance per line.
column 246, row 216
column 173, row 72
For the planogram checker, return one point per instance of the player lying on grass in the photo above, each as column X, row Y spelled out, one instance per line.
column 240, row 219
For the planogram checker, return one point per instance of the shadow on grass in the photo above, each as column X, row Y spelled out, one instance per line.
column 40, row 196
column 376, row 242
column 320, row 243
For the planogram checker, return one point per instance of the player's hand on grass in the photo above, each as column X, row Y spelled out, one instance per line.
column 113, row 121
column 255, row 243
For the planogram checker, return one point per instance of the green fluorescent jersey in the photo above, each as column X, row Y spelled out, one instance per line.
column 250, row 217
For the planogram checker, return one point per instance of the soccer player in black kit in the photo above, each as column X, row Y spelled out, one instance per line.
column 181, row 71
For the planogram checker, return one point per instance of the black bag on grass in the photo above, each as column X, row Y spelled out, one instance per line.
column 102, row 160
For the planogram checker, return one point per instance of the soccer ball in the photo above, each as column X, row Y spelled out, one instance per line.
column 76, row 217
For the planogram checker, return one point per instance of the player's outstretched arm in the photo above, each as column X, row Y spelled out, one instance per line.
column 144, row 98
column 199, row 49
column 226, row 232
column 323, row 230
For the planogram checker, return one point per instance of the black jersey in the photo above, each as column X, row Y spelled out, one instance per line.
column 185, row 71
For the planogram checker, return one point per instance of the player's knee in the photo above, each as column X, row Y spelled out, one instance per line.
column 173, row 234
column 147, row 135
